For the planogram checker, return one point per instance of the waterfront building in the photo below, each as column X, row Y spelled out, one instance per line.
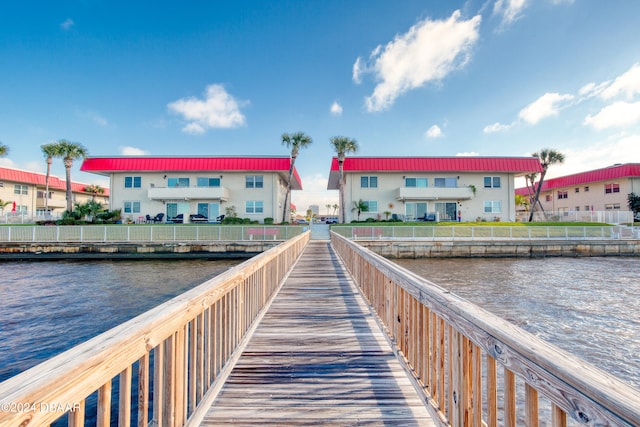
column 597, row 190
column 196, row 188
column 432, row 188
column 26, row 192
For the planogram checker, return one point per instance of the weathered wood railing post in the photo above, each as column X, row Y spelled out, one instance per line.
column 180, row 349
column 478, row 369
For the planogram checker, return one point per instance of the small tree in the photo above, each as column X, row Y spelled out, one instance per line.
column 634, row 203
column 360, row 206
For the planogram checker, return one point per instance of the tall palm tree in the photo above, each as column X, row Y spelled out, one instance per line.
column 94, row 190
column 342, row 146
column 50, row 151
column 4, row 150
column 547, row 158
column 70, row 151
column 294, row 141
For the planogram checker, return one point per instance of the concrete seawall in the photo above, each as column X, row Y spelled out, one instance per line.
column 174, row 250
column 386, row 248
column 497, row 249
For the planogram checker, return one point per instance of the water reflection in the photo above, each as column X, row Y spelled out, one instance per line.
column 48, row 307
column 587, row 306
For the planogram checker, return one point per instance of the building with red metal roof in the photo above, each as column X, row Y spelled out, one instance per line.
column 27, row 190
column 598, row 190
column 207, row 186
column 431, row 188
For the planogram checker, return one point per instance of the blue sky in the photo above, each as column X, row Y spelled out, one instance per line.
column 404, row 78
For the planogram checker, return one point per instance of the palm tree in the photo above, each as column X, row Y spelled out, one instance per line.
column 343, row 145
column 70, row 151
column 335, row 208
column 4, row 150
column 547, row 158
column 295, row 141
column 94, row 190
column 50, row 151
column 360, row 206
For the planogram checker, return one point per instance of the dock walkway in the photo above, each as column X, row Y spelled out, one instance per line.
column 318, row 358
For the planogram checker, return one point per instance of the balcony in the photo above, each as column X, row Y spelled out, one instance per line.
column 433, row 193
column 188, row 193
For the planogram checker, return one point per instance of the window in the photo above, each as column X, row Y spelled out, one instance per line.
column 131, row 207
column 586, row 189
column 41, row 194
column 611, row 188
column 21, row 189
column 491, row 182
column 208, row 182
column 255, row 181
column 492, row 206
column 178, row 182
column 563, row 194
column 415, row 210
column 577, row 208
column 254, row 207
column 132, row 182
column 588, row 208
column 547, row 197
column 415, row 182
column 368, row 182
column 577, row 189
column 445, row 182
column 372, row 205
column 615, row 206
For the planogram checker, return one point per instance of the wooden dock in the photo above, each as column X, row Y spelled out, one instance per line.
column 318, row 358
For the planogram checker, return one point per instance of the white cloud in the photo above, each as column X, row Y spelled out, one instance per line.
column 218, row 109
column 510, row 10
column 132, row 151
column 433, row 132
column 356, row 73
column 94, row 117
column 336, row 108
column 67, row 24
column 615, row 115
column 467, row 154
column 627, row 84
column 547, row 105
column 496, row 127
column 616, row 149
column 428, row 52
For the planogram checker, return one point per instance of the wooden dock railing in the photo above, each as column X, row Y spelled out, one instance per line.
column 166, row 361
column 477, row 369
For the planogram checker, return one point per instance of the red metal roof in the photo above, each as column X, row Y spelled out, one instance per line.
column 38, row 179
column 516, row 165
column 107, row 165
column 627, row 170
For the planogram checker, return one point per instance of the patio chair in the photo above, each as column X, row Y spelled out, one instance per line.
column 158, row 218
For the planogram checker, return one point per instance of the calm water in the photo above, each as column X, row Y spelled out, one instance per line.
column 48, row 307
column 587, row 306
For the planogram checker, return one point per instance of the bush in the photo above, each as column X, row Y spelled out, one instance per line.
column 268, row 221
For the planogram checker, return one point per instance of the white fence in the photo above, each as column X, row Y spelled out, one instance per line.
column 607, row 217
column 488, row 233
column 145, row 233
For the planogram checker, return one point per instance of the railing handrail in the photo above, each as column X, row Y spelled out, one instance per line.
column 180, row 325
column 577, row 387
column 142, row 233
column 484, row 233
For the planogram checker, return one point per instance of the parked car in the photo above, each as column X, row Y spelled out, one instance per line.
column 331, row 221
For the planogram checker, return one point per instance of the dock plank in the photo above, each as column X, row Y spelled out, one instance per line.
column 318, row 358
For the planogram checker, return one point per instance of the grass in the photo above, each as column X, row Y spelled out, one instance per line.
column 477, row 224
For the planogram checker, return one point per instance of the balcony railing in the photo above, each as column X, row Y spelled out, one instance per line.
column 188, row 193
column 433, row 193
